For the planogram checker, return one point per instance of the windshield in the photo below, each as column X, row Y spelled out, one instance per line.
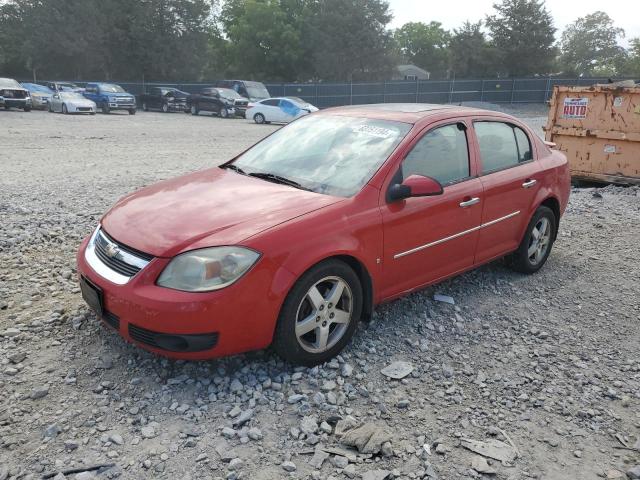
column 110, row 88
column 256, row 90
column 34, row 87
column 71, row 96
column 9, row 83
column 333, row 155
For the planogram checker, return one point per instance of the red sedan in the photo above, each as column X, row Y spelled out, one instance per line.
column 295, row 240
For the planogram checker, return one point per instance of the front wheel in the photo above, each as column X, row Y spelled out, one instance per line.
column 105, row 108
column 64, row 109
column 319, row 315
column 132, row 111
column 27, row 108
column 536, row 245
column 165, row 108
column 194, row 110
column 259, row 118
column 144, row 107
column 224, row 113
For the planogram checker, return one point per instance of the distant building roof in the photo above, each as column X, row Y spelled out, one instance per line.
column 410, row 72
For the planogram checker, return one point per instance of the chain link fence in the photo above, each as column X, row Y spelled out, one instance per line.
column 323, row 95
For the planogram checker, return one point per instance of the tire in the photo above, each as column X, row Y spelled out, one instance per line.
column 324, row 337
column 64, row 109
column 165, row 108
column 144, row 107
column 535, row 248
column 27, row 109
column 132, row 111
column 105, row 108
column 50, row 109
column 224, row 113
column 194, row 110
column 259, row 118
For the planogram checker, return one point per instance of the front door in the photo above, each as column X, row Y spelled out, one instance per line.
column 511, row 179
column 428, row 238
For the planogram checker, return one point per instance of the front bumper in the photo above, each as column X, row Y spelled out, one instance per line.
column 17, row 102
column 177, row 107
column 39, row 102
column 121, row 106
column 167, row 322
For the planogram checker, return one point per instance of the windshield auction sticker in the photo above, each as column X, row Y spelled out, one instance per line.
column 374, row 131
column 575, row 108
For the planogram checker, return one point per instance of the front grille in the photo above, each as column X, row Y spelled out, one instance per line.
column 124, row 100
column 111, row 319
column 84, row 109
column 14, row 93
column 143, row 335
column 116, row 263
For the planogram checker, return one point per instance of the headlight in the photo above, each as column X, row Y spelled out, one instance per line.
column 207, row 269
column 113, row 99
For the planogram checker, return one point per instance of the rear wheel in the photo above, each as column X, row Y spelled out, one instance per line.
column 144, row 106
column 536, row 245
column 319, row 315
column 259, row 118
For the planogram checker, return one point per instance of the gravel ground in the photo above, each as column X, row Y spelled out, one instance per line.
column 541, row 371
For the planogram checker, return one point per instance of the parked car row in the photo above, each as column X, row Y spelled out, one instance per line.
column 225, row 98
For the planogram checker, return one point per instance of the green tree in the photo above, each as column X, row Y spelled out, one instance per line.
column 523, row 34
column 632, row 66
column 471, row 55
column 590, row 46
column 424, row 45
column 266, row 38
column 350, row 40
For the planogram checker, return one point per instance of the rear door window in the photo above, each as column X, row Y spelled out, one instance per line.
column 271, row 102
column 502, row 145
column 442, row 153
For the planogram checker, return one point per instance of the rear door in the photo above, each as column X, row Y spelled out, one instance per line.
column 511, row 178
column 428, row 238
column 271, row 110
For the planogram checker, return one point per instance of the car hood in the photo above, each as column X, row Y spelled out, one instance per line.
column 207, row 208
column 120, row 94
column 81, row 103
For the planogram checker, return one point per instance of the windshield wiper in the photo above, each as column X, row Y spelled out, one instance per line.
column 270, row 177
column 235, row 168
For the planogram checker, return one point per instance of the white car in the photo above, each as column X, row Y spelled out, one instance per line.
column 279, row 110
column 71, row 102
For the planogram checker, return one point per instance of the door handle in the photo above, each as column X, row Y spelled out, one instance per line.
column 529, row 183
column 468, row 203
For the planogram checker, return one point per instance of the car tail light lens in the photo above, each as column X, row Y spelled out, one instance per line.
column 207, row 269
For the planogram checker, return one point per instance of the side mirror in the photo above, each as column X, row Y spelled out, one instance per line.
column 415, row 186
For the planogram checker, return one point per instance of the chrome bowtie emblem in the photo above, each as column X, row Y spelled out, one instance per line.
column 111, row 250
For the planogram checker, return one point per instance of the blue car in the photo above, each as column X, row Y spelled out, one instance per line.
column 109, row 97
column 40, row 95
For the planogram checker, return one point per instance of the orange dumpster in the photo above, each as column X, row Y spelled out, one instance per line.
column 598, row 128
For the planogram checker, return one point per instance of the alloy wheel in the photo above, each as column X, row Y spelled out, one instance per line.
column 539, row 241
column 324, row 314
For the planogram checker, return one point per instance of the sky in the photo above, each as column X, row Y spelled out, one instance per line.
column 453, row 13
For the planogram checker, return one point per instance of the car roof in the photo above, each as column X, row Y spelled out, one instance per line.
column 404, row 112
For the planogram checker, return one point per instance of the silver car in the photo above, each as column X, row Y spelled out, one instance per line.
column 71, row 102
